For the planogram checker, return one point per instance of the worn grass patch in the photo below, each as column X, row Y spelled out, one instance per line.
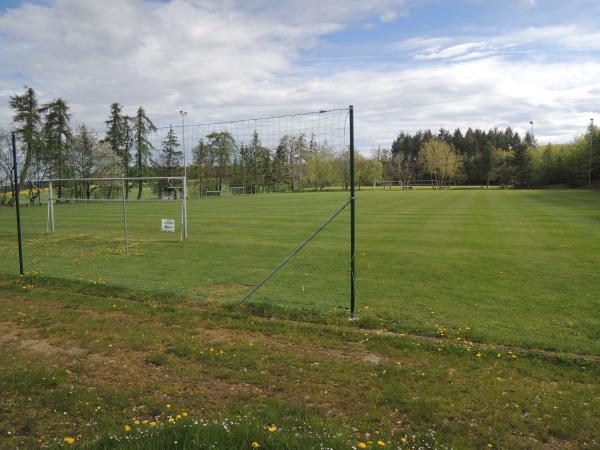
column 84, row 366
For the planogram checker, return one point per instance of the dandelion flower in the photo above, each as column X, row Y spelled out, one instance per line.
column 478, row 355
column 127, row 428
column 184, row 414
column 178, row 416
column 152, row 424
column 69, row 440
column 171, row 420
column 404, row 440
column 168, row 406
column 255, row 445
column 272, row 428
column 362, row 445
column 137, row 422
column 381, row 443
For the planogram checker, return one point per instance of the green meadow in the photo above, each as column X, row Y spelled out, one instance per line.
column 478, row 323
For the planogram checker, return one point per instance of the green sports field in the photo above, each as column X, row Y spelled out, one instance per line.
column 510, row 267
column 490, row 298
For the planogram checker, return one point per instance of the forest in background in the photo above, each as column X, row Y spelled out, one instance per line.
column 50, row 148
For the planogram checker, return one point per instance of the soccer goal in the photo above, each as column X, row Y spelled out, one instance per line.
column 212, row 193
column 63, row 191
column 391, row 183
column 237, row 190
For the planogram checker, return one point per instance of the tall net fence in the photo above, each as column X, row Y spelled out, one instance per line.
column 274, row 154
column 90, row 218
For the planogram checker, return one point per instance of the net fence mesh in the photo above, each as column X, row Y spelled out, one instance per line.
column 295, row 136
column 233, row 243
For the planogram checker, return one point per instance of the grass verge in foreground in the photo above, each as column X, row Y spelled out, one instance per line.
column 84, row 366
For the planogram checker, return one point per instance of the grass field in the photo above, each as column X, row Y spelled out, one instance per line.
column 475, row 285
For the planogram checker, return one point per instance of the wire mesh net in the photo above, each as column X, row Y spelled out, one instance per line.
column 235, row 239
column 254, row 155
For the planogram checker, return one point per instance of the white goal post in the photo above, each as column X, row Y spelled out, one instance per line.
column 120, row 183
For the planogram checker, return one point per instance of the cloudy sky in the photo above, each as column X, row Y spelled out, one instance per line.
column 404, row 64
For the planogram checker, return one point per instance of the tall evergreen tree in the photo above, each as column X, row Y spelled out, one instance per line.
column 170, row 157
column 142, row 127
column 118, row 136
column 521, row 162
column 57, row 137
column 222, row 146
column 28, row 122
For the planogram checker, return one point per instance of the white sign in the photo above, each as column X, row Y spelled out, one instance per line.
column 167, row 225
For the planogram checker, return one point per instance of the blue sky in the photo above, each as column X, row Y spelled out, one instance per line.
column 405, row 65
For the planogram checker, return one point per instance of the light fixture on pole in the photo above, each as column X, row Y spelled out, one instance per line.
column 183, row 114
column 532, row 135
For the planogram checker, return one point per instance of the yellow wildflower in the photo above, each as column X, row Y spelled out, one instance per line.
column 404, row 440
column 381, row 443
column 69, row 440
column 145, row 421
column 184, row 414
column 168, row 406
column 272, row 428
column 178, row 416
column 152, row 424
column 137, row 422
column 255, row 445
column 171, row 420
column 127, row 428
column 362, row 445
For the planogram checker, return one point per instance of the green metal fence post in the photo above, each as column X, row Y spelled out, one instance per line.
column 352, row 220
column 17, row 189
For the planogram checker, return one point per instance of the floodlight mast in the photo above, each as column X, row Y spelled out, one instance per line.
column 184, row 222
column 532, row 135
column 183, row 114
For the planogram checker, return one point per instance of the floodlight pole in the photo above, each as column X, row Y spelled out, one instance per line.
column 352, row 220
column 18, row 210
column 184, row 222
column 183, row 114
column 532, row 135
column 590, row 158
column 125, row 216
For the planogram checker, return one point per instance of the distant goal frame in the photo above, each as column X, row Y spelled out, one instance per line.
column 50, row 215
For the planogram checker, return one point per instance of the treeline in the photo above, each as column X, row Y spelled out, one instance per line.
column 51, row 149
column 298, row 162
column 494, row 157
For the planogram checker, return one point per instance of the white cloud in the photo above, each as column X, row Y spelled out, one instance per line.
column 560, row 38
column 220, row 61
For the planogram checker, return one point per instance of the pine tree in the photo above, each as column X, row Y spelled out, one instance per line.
column 118, row 136
column 521, row 162
column 170, row 157
column 142, row 127
column 57, row 137
column 28, row 122
column 222, row 146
